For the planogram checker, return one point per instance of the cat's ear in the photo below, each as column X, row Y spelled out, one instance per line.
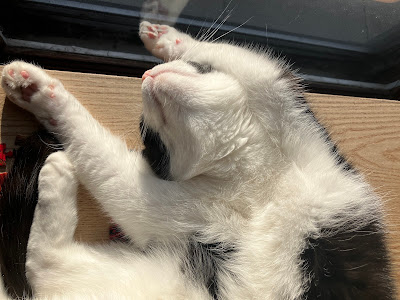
column 163, row 41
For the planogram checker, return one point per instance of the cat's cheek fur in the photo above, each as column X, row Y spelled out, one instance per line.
column 152, row 108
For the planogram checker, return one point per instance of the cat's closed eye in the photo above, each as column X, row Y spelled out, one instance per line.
column 201, row 68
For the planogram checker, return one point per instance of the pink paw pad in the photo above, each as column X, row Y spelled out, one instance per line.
column 25, row 74
column 178, row 41
column 11, row 73
column 151, row 35
column 52, row 95
column 27, row 92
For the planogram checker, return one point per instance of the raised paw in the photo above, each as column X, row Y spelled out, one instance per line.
column 31, row 88
column 163, row 41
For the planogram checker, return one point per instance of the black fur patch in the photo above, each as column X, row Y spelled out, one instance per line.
column 201, row 68
column 204, row 261
column 19, row 196
column 348, row 265
column 155, row 152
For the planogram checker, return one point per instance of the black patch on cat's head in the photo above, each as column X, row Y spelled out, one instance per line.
column 201, row 68
column 18, row 199
column 348, row 265
column 155, row 152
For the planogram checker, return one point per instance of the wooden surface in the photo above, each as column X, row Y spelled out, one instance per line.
column 366, row 130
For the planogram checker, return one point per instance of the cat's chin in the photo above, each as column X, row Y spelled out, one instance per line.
column 151, row 103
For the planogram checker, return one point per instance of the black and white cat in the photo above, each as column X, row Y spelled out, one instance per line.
column 239, row 194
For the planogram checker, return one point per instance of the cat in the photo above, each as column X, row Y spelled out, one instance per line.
column 239, row 193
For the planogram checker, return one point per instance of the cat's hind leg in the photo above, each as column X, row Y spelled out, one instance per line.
column 55, row 216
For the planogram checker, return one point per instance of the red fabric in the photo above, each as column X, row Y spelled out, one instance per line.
column 2, row 178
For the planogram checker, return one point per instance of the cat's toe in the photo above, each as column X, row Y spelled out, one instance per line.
column 149, row 33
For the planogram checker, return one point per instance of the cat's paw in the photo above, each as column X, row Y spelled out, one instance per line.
column 163, row 41
column 31, row 88
column 57, row 185
column 57, row 171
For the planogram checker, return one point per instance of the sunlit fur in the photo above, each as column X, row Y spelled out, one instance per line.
column 253, row 177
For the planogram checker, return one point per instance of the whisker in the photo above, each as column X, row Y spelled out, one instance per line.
column 216, row 20
column 201, row 29
column 232, row 29
column 218, row 27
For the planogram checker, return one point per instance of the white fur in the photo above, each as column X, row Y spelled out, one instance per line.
column 249, row 168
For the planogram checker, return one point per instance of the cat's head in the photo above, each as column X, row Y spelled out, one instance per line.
column 198, row 120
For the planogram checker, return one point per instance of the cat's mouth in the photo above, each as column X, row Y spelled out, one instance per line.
column 148, row 74
column 150, row 78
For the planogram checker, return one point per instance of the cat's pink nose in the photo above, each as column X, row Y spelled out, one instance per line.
column 146, row 74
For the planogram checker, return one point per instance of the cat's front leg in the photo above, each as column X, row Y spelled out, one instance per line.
column 97, row 154
column 165, row 42
column 146, row 207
